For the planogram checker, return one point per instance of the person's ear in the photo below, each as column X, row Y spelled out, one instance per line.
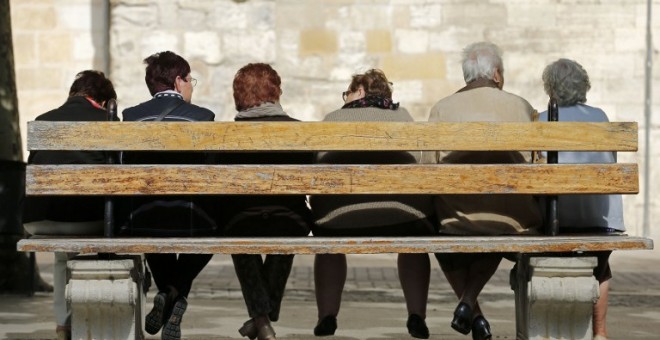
column 498, row 78
column 177, row 84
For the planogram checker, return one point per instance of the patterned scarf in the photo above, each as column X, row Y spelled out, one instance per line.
column 372, row 101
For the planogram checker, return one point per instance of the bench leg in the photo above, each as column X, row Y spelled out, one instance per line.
column 106, row 298
column 554, row 297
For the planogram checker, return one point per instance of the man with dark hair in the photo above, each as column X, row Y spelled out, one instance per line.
column 171, row 85
column 44, row 215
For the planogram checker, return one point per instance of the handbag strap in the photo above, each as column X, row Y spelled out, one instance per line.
column 167, row 111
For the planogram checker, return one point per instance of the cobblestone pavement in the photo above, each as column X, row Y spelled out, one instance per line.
column 373, row 305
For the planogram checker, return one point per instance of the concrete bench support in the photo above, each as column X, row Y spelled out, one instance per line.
column 555, row 297
column 106, row 298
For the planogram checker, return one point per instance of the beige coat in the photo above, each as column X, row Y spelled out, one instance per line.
column 479, row 214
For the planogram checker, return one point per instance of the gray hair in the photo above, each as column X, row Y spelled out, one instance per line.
column 566, row 81
column 481, row 60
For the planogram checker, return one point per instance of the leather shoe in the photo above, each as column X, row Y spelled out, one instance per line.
column 417, row 327
column 249, row 329
column 462, row 321
column 266, row 332
column 326, row 326
column 481, row 329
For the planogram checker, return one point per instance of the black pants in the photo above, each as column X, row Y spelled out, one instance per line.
column 263, row 282
column 177, row 271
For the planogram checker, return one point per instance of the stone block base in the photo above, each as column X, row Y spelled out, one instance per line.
column 106, row 297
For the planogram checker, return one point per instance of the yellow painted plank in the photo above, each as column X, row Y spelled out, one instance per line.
column 332, row 179
column 316, row 136
column 353, row 245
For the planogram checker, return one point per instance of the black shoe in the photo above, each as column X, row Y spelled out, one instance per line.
column 417, row 327
column 249, row 329
column 327, row 326
column 172, row 328
column 154, row 320
column 462, row 321
column 481, row 329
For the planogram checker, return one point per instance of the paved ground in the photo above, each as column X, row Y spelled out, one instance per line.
column 372, row 306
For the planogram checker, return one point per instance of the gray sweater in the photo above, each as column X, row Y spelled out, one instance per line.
column 361, row 211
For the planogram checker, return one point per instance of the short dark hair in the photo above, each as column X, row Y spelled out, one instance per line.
column 162, row 70
column 255, row 84
column 93, row 84
column 374, row 82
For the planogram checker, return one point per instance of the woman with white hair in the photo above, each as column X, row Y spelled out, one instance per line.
column 480, row 100
column 567, row 82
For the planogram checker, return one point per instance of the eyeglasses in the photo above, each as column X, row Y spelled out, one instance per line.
column 345, row 94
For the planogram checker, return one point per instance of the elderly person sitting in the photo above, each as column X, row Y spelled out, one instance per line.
column 257, row 91
column 567, row 82
column 482, row 99
column 369, row 98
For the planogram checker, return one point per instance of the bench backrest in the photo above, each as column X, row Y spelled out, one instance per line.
column 540, row 179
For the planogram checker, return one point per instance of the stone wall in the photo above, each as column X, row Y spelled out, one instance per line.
column 317, row 45
column 53, row 40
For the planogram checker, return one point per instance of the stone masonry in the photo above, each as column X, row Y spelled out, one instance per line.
column 317, row 45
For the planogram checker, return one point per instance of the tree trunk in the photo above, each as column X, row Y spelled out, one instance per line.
column 16, row 272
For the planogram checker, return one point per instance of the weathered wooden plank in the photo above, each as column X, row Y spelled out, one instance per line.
column 315, row 136
column 354, row 245
column 332, row 179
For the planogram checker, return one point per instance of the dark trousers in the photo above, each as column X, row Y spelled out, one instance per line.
column 177, row 271
column 263, row 282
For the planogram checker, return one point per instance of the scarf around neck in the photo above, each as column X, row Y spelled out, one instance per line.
column 263, row 110
column 372, row 101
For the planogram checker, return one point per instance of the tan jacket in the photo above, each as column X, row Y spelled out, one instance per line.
column 480, row 214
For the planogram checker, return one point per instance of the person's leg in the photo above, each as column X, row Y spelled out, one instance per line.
column 188, row 266
column 415, row 275
column 248, row 269
column 276, row 271
column 480, row 271
column 603, row 274
column 600, row 311
column 329, row 279
column 162, row 268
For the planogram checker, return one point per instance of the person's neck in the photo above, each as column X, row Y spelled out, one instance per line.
column 478, row 83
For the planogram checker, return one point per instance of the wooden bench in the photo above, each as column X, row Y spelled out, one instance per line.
column 540, row 283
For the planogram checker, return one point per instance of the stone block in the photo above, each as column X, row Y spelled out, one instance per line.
column 33, row 18
column 427, row 15
column 411, row 41
column 134, row 16
column 106, row 298
column 82, row 12
column 83, row 46
column 484, row 14
column 158, row 41
column 227, row 15
column 317, row 41
column 55, row 48
column 256, row 46
column 554, row 297
column 379, row 41
column 42, row 78
column 25, row 48
column 203, row 45
column 414, row 66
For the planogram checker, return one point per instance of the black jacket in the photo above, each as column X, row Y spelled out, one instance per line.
column 67, row 208
column 150, row 109
column 236, row 205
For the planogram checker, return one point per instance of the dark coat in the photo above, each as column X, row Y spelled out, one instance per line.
column 236, row 205
column 67, row 208
column 150, row 109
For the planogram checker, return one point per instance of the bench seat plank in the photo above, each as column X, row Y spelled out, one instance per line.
column 353, row 245
column 317, row 136
column 332, row 179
